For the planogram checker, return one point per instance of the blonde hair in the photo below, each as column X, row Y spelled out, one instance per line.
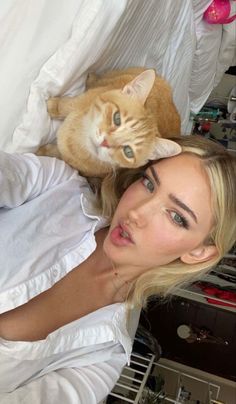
column 220, row 166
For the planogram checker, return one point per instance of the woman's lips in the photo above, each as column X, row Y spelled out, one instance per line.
column 120, row 236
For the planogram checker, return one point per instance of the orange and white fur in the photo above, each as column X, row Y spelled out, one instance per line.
column 122, row 120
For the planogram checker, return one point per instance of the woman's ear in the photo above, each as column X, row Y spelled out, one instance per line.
column 200, row 254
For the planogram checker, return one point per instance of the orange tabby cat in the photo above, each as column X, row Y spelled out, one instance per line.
column 122, row 120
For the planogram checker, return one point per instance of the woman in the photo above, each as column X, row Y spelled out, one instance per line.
column 66, row 273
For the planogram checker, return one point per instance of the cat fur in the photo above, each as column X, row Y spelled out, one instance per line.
column 89, row 139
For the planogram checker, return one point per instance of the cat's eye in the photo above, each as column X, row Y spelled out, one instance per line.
column 116, row 118
column 128, row 152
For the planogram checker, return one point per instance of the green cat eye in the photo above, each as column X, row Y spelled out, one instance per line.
column 116, row 118
column 128, row 152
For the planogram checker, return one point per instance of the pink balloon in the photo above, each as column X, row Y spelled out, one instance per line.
column 218, row 12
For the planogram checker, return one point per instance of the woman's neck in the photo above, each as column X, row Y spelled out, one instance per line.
column 116, row 279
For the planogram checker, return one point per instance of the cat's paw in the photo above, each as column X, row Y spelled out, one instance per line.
column 60, row 107
column 50, row 150
column 52, row 107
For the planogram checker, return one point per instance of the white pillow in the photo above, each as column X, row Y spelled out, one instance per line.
column 33, row 32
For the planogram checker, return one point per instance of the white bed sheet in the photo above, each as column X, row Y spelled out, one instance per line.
column 43, row 55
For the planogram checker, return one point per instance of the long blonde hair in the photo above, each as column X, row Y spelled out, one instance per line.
column 220, row 167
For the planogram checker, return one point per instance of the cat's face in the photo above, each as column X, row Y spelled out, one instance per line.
column 119, row 130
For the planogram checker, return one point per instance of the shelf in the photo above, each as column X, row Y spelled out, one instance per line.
column 193, row 292
column 131, row 384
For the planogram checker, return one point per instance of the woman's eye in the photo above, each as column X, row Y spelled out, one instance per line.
column 128, row 152
column 116, row 118
column 147, row 182
column 179, row 220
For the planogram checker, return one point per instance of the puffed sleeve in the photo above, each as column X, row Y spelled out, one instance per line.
column 24, row 176
column 86, row 385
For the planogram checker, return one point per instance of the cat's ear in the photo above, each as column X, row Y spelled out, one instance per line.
column 141, row 86
column 165, row 148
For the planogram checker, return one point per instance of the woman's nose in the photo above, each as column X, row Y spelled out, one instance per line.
column 141, row 214
column 137, row 218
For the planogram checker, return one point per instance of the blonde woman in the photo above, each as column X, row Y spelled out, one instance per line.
column 219, row 168
column 69, row 275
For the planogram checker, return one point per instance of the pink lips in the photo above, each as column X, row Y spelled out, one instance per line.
column 118, row 239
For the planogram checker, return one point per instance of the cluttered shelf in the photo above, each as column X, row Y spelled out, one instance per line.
column 217, row 118
column 218, row 287
column 143, row 383
column 217, row 121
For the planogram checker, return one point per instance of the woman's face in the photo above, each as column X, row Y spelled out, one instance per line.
column 163, row 216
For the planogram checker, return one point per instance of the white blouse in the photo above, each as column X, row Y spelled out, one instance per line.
column 47, row 230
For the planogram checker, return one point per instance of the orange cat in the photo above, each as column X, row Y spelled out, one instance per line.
column 122, row 120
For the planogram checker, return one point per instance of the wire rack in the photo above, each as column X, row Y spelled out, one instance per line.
column 133, row 378
column 131, row 384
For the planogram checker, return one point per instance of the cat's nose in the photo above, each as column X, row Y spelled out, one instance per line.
column 104, row 143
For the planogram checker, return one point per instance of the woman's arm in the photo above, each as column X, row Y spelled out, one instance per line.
column 24, row 176
column 87, row 385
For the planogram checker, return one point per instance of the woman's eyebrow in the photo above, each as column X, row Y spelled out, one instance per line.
column 155, row 176
column 173, row 197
